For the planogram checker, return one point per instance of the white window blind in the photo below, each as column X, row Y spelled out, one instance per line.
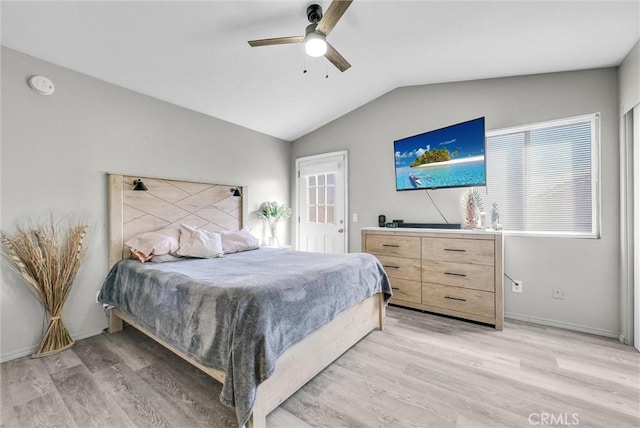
column 544, row 177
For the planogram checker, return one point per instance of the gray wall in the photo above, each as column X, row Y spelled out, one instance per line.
column 587, row 269
column 57, row 149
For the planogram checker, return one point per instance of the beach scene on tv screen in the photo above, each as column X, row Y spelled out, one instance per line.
column 448, row 157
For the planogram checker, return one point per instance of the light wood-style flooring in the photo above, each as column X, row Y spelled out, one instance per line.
column 421, row 371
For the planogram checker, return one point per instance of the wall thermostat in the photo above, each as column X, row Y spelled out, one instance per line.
column 42, row 85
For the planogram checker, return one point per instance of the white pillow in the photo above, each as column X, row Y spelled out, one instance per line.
column 241, row 240
column 163, row 241
column 201, row 243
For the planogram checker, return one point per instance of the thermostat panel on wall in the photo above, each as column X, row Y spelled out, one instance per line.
column 41, row 85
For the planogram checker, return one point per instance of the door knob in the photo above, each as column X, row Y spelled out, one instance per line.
column 340, row 230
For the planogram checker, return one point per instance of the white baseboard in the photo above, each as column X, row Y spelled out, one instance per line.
column 18, row 353
column 565, row 325
column 623, row 339
column 535, row 320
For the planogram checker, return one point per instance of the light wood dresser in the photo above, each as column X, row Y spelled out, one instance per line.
column 446, row 271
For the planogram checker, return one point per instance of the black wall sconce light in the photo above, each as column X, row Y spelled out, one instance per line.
column 139, row 185
column 235, row 191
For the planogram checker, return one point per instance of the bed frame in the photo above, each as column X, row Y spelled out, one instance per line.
column 211, row 206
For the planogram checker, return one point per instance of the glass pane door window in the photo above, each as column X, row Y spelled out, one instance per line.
column 321, row 199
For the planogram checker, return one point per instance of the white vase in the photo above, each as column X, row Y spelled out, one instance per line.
column 273, row 239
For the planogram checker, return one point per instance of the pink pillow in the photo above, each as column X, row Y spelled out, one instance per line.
column 141, row 257
column 240, row 240
column 163, row 241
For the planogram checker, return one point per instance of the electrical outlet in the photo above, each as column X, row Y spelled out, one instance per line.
column 558, row 293
column 516, row 286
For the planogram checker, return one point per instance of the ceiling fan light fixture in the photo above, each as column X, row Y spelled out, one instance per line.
column 315, row 44
column 315, row 38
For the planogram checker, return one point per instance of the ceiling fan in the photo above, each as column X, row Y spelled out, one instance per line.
column 315, row 38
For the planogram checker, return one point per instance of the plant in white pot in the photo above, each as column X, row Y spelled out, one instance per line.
column 273, row 213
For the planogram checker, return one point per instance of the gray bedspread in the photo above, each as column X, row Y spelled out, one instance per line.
column 240, row 312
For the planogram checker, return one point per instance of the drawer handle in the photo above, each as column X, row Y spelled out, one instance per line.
column 391, row 245
column 455, row 298
column 455, row 274
column 391, row 266
column 395, row 288
column 455, row 249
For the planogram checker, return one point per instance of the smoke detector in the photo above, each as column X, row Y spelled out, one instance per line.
column 42, row 85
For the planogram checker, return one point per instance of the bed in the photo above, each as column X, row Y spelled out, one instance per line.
column 242, row 332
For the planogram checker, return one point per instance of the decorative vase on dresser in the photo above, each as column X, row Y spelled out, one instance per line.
column 446, row 271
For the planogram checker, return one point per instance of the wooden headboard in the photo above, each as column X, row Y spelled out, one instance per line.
column 168, row 202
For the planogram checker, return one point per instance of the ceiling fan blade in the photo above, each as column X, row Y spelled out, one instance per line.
column 333, row 14
column 276, row 41
column 336, row 59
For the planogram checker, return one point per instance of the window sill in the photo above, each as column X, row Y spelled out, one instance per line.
column 552, row 235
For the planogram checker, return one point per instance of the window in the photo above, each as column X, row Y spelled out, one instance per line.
column 321, row 204
column 544, row 177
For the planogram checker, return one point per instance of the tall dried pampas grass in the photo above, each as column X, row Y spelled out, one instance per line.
column 47, row 257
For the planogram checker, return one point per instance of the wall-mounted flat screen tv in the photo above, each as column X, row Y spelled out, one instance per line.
column 447, row 157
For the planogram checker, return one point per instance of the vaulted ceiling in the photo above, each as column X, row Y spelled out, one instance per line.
column 195, row 53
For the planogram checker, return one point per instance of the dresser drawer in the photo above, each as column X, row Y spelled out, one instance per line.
column 465, row 275
column 397, row 267
column 405, row 290
column 474, row 302
column 388, row 245
column 477, row 251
